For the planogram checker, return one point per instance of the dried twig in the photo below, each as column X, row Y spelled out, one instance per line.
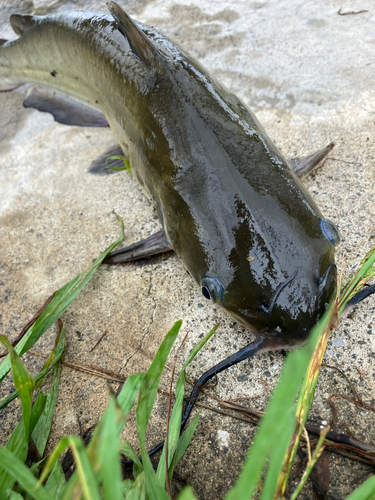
column 351, row 12
column 98, row 372
column 99, row 340
column 29, row 323
column 353, row 389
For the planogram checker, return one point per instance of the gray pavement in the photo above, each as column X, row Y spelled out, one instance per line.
column 308, row 73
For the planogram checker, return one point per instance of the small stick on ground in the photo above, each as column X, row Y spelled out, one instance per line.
column 351, row 12
column 29, row 324
column 97, row 342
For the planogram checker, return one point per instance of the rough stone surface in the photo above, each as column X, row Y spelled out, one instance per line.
column 308, row 74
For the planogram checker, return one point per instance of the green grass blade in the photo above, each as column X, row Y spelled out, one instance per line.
column 56, row 481
column 17, row 443
column 86, row 475
column 137, row 490
column 65, row 296
column 277, row 454
column 175, row 422
column 174, row 427
column 363, row 274
column 53, row 358
column 182, row 444
column 24, row 382
column 199, row 346
column 281, row 401
column 37, row 410
column 18, row 435
column 22, row 475
column 127, row 449
column 109, row 455
column 58, row 305
column 42, row 430
column 37, row 466
column 13, row 495
column 19, row 440
column 124, row 404
column 365, row 492
column 18, row 446
column 151, row 380
column 129, row 391
column 137, row 470
column 187, row 494
column 119, row 157
column 311, row 464
column 125, row 401
column 126, row 485
column 155, row 491
column 146, row 399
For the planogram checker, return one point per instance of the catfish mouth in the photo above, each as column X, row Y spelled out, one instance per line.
column 296, row 332
column 326, row 290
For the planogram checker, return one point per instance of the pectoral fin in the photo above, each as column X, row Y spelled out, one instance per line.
column 7, row 87
column 63, row 108
column 304, row 166
column 153, row 245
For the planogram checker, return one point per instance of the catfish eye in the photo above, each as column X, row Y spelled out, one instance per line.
column 212, row 289
column 330, row 231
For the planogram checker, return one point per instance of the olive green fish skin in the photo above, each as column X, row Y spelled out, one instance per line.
column 229, row 203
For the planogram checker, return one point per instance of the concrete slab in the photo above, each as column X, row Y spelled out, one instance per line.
column 308, row 74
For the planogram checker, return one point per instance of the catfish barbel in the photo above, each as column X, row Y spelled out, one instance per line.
column 229, row 203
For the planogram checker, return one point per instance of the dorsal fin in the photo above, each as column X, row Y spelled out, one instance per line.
column 141, row 45
column 20, row 22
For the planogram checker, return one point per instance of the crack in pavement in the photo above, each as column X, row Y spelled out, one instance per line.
column 147, row 329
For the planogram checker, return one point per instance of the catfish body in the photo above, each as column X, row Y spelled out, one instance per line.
column 231, row 207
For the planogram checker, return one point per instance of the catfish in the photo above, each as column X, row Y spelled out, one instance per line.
column 231, row 206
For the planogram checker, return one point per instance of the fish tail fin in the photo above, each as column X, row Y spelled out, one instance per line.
column 7, row 87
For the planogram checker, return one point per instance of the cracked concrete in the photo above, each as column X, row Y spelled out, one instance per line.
column 308, row 74
column 147, row 329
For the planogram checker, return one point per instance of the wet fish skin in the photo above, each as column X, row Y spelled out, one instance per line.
column 229, row 203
